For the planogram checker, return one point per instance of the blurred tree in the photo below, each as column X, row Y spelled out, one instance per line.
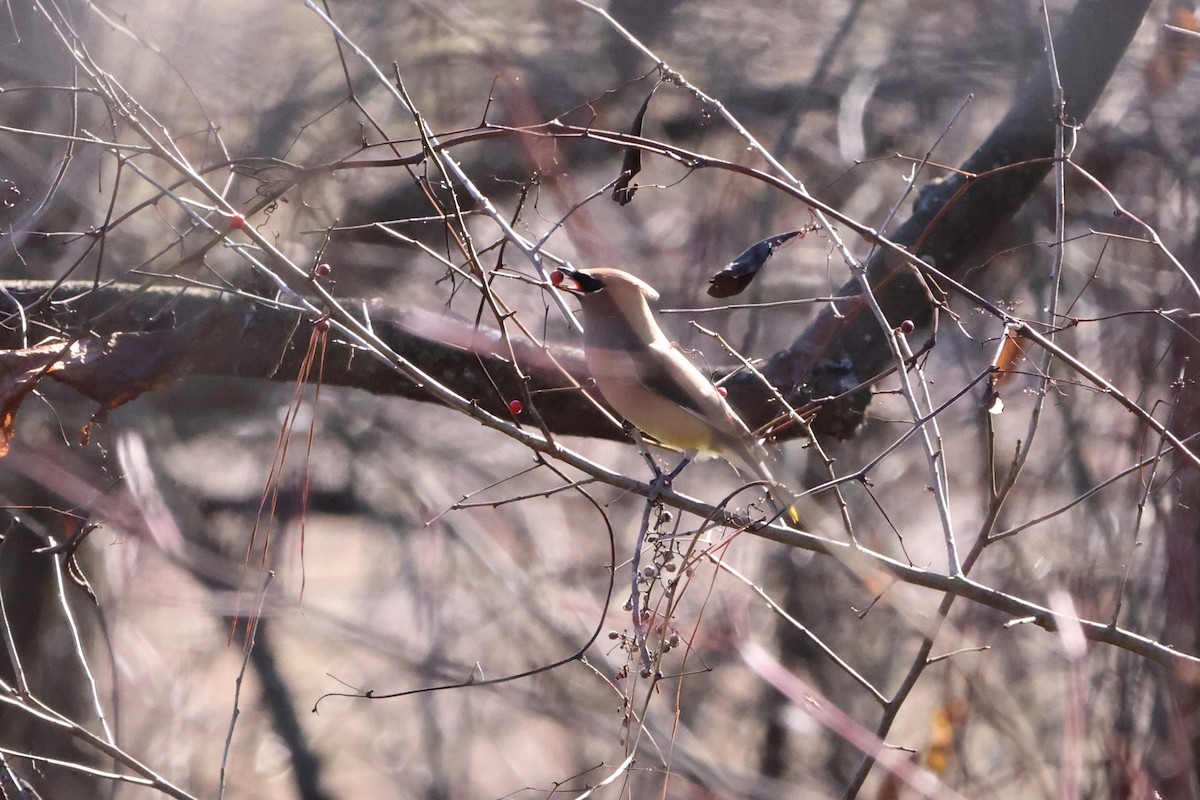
column 304, row 215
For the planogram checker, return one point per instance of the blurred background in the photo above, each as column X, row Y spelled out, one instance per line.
column 411, row 547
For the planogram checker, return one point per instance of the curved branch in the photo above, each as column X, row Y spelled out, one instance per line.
column 232, row 336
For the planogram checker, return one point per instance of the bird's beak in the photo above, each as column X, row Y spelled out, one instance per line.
column 574, row 281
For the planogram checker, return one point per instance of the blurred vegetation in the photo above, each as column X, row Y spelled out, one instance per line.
column 412, row 547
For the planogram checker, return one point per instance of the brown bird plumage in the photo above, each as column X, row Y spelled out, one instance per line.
column 649, row 382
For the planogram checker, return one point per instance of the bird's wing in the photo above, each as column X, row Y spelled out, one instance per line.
column 672, row 376
column 682, row 384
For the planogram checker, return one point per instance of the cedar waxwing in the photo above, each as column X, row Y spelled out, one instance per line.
column 650, row 383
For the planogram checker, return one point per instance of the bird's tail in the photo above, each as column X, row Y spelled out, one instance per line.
column 785, row 505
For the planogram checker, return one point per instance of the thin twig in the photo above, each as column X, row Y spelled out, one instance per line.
column 237, row 690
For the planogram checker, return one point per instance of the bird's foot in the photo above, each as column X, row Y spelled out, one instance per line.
column 678, row 469
column 662, row 481
column 660, row 484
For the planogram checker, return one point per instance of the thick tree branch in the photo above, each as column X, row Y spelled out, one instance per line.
column 951, row 221
column 219, row 334
column 837, row 351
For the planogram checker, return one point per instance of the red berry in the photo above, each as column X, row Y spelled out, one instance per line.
column 721, row 390
column 515, row 406
column 237, row 222
column 321, row 270
column 907, row 326
column 557, row 277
